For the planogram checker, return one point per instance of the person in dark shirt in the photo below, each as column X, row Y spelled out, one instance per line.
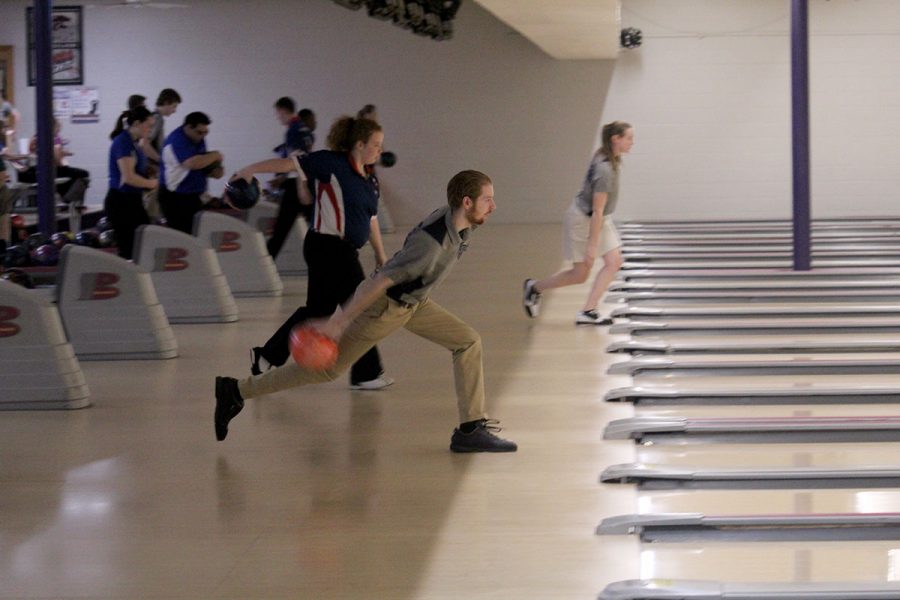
column 298, row 140
column 6, row 201
column 345, row 218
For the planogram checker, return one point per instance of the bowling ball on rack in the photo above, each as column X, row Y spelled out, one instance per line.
column 19, row 277
column 89, row 238
column 16, row 256
column 17, row 221
column 61, row 238
column 45, row 256
column 108, row 238
column 36, row 240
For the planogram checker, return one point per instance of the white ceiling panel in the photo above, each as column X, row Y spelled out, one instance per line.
column 564, row 29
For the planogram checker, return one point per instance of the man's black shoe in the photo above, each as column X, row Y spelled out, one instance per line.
column 228, row 404
column 481, row 439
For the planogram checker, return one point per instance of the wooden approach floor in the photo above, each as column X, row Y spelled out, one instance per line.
column 324, row 493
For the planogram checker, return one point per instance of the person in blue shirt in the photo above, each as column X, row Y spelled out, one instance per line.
column 299, row 140
column 128, row 179
column 184, row 169
column 345, row 204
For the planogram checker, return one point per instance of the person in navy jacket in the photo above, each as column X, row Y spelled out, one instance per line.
column 344, row 196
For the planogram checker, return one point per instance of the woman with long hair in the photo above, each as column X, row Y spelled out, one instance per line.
column 589, row 230
column 128, row 178
column 343, row 189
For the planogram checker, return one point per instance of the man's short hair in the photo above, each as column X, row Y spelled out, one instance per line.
column 168, row 96
column 197, row 118
column 305, row 113
column 286, row 104
column 465, row 183
column 136, row 100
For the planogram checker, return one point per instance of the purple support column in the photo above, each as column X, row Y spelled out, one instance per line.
column 800, row 128
column 46, row 169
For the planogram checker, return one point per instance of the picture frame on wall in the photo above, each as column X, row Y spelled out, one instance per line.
column 66, row 45
column 6, row 74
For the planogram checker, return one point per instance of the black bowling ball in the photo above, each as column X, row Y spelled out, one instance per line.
column 35, row 241
column 88, row 237
column 388, row 159
column 16, row 256
column 108, row 238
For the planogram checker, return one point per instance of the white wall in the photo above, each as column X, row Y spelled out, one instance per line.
column 488, row 99
column 709, row 95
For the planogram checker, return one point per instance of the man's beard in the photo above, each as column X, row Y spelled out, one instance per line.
column 470, row 217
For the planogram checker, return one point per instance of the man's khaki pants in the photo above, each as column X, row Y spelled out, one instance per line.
column 426, row 319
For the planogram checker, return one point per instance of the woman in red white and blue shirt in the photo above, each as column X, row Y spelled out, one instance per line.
column 344, row 192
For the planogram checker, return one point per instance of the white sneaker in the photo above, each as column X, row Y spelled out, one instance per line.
column 379, row 383
column 531, row 299
column 592, row 317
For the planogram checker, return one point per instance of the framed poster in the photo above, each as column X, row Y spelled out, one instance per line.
column 66, row 46
column 6, row 74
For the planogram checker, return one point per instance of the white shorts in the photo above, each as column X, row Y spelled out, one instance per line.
column 577, row 228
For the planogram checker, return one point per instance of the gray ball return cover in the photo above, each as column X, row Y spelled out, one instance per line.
column 757, row 343
column 690, row 478
column 786, row 430
column 769, row 325
column 760, row 309
column 693, row 527
column 655, row 367
column 816, row 388
column 668, row 589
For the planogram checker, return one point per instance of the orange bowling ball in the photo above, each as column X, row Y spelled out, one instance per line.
column 312, row 349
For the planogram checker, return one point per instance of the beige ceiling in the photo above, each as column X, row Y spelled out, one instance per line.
column 564, row 29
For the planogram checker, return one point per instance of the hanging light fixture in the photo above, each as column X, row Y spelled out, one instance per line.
column 431, row 18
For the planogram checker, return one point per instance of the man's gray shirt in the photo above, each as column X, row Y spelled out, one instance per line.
column 427, row 256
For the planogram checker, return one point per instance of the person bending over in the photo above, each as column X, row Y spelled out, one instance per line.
column 185, row 168
column 398, row 296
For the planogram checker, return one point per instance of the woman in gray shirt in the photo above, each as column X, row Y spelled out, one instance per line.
column 589, row 230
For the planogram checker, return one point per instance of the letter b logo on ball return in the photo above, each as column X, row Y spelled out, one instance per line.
column 170, row 259
column 266, row 225
column 99, row 286
column 225, row 241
